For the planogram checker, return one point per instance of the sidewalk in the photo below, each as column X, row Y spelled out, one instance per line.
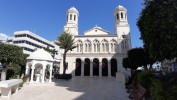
column 77, row 88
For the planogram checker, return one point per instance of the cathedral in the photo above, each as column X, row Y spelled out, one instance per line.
column 98, row 53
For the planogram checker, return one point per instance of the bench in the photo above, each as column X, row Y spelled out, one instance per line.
column 138, row 93
column 9, row 86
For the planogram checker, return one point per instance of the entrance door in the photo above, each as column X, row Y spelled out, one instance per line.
column 78, row 67
column 95, row 67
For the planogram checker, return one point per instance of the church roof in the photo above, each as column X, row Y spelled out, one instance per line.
column 40, row 54
column 73, row 10
column 96, row 31
column 120, row 8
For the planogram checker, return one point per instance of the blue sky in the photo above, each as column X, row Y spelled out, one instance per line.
column 46, row 18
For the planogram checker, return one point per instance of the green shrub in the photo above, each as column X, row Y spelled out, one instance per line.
column 163, row 90
column 13, row 71
column 144, row 78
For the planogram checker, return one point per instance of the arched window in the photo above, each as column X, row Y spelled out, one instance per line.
column 79, row 46
column 74, row 17
column 122, row 15
column 105, row 46
column 96, row 46
column 117, row 16
column 113, row 45
column 87, row 46
column 90, row 48
column 70, row 16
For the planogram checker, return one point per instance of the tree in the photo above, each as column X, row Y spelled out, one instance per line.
column 137, row 57
column 126, row 64
column 65, row 41
column 158, row 26
column 10, row 54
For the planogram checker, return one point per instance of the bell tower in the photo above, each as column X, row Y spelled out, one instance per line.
column 122, row 29
column 72, row 21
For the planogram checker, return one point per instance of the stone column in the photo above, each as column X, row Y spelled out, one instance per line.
column 109, row 68
column 74, row 69
column 91, row 68
column 100, row 69
column 27, row 70
column 109, row 46
column 61, row 67
column 82, row 68
column 32, row 74
column 43, row 73
column 83, row 48
column 50, row 78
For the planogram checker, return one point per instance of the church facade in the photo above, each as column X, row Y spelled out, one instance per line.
column 98, row 53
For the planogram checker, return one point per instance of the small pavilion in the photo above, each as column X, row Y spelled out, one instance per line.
column 39, row 66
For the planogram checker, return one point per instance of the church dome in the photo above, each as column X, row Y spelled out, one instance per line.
column 120, row 8
column 73, row 10
column 40, row 54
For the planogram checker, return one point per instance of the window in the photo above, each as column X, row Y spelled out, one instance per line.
column 87, row 46
column 79, row 46
column 117, row 16
column 113, row 45
column 96, row 46
column 122, row 15
column 74, row 17
column 105, row 46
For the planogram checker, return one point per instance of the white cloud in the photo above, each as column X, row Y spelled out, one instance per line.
column 3, row 36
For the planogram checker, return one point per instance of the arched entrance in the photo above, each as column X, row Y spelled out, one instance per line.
column 113, row 67
column 87, row 67
column 38, row 72
column 95, row 67
column 104, row 67
column 78, row 67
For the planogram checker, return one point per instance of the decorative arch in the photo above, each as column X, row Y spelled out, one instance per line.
column 79, row 44
column 88, row 46
column 105, row 45
column 96, row 44
column 113, row 45
column 38, row 68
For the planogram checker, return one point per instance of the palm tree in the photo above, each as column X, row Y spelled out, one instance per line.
column 65, row 41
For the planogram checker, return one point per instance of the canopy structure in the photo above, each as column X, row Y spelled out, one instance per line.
column 39, row 65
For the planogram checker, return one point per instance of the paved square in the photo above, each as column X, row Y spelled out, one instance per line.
column 77, row 88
